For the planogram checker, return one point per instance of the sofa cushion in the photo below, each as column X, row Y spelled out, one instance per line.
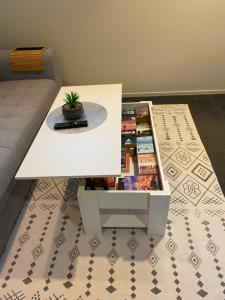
column 23, row 106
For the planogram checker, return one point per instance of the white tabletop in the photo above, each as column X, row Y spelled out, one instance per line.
column 95, row 152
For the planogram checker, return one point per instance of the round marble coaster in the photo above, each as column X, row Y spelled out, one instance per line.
column 94, row 113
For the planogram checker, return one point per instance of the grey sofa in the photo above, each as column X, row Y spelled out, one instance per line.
column 25, row 99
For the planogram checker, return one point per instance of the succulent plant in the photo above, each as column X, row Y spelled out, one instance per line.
column 72, row 98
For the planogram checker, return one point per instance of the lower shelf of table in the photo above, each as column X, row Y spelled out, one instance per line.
column 124, row 209
column 123, row 218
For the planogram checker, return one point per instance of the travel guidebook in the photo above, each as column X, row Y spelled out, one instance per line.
column 100, row 183
column 145, row 144
column 125, row 161
column 142, row 114
column 120, row 184
column 128, row 121
column 128, row 112
column 143, row 129
column 147, row 164
column 128, row 125
column 141, row 182
column 142, row 110
column 128, row 138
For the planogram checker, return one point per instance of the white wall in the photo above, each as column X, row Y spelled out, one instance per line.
column 148, row 45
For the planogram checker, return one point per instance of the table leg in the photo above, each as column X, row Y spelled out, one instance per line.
column 90, row 214
column 158, row 212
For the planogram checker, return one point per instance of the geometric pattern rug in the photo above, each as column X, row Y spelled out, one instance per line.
column 50, row 258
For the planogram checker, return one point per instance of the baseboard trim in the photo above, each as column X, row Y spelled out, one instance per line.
column 174, row 93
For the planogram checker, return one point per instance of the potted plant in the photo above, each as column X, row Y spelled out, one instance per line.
column 73, row 108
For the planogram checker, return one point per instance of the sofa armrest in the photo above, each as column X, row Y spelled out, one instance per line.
column 50, row 68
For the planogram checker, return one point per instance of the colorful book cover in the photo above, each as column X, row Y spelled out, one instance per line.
column 128, row 125
column 145, row 144
column 95, row 184
column 143, row 129
column 128, row 120
column 120, row 184
column 157, row 182
column 110, row 182
column 100, row 183
column 142, row 114
column 141, row 182
column 128, row 138
column 128, row 115
column 125, row 159
column 141, row 111
column 128, row 112
column 147, row 164
column 122, row 159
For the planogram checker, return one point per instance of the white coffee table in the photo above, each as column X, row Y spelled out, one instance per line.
column 95, row 151
column 78, row 152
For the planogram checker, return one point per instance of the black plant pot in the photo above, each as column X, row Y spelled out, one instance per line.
column 72, row 113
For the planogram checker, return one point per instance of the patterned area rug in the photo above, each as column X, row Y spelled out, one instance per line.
column 49, row 258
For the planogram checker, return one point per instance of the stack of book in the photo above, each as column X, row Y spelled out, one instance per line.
column 128, row 129
column 128, row 138
column 145, row 157
column 137, row 146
